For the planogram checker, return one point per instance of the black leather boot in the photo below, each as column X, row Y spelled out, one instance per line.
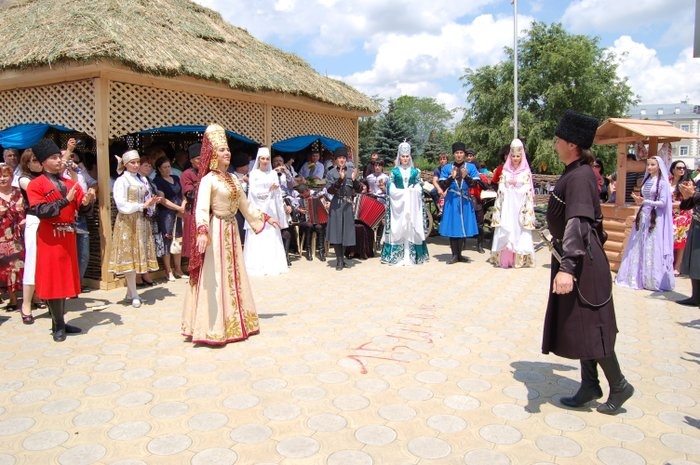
column 694, row 299
column 339, row 258
column 321, row 244
column 620, row 389
column 454, row 248
column 461, row 244
column 307, row 244
column 58, row 325
column 480, row 241
column 286, row 240
column 590, row 386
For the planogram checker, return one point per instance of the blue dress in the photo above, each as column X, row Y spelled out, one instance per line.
column 458, row 217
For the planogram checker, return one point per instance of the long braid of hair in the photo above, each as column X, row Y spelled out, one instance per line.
column 652, row 217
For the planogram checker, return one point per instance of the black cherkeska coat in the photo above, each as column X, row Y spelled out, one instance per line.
column 574, row 328
column 690, row 264
column 341, row 219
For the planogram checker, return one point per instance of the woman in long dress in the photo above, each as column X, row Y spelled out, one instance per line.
column 30, row 168
column 264, row 253
column 647, row 262
column 12, row 218
column 514, row 213
column 133, row 249
column 404, row 233
column 219, row 306
column 681, row 218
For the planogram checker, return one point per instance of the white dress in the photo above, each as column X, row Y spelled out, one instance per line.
column 514, row 221
column 263, row 252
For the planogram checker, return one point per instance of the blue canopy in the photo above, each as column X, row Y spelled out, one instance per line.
column 297, row 144
column 197, row 129
column 23, row 136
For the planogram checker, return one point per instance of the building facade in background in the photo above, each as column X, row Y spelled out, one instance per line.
column 685, row 116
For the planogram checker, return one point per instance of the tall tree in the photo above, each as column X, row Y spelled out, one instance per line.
column 392, row 129
column 556, row 71
column 367, row 133
column 423, row 115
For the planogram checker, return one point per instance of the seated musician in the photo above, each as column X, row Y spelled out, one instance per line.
column 312, row 170
column 377, row 181
column 308, row 208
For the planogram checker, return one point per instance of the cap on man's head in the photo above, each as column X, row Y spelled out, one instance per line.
column 44, row 149
column 341, row 151
column 469, row 151
column 458, row 146
column 194, row 150
column 577, row 128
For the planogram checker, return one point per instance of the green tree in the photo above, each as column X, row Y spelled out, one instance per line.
column 556, row 71
column 424, row 115
column 392, row 129
column 367, row 133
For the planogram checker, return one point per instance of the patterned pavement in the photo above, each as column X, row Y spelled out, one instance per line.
column 433, row 364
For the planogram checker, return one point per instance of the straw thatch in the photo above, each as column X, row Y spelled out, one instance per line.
column 163, row 38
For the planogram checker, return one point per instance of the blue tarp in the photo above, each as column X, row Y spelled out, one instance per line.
column 297, row 144
column 23, row 136
column 197, row 129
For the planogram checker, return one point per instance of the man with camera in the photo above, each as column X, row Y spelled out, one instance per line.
column 74, row 173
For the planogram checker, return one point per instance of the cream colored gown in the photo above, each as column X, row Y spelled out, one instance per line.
column 219, row 308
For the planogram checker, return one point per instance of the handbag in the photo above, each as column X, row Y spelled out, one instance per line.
column 176, row 243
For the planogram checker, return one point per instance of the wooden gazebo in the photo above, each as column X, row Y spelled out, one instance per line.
column 109, row 68
column 619, row 216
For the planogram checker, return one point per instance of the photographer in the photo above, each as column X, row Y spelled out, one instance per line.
column 75, row 173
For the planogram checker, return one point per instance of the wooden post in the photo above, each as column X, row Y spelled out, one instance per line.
column 102, row 120
column 621, row 182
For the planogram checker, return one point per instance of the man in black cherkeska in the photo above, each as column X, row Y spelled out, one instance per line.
column 580, row 319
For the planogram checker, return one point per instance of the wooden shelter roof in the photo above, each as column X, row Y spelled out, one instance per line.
column 161, row 38
column 624, row 130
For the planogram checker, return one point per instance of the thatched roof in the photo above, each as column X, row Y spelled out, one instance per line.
column 163, row 38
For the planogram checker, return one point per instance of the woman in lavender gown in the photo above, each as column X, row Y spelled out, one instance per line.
column 647, row 262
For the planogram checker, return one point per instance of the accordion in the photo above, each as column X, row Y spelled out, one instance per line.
column 316, row 212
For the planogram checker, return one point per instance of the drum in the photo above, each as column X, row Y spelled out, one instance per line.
column 368, row 210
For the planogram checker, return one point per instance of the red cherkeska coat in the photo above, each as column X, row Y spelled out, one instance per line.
column 57, row 275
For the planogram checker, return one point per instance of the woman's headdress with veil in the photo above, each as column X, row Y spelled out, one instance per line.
column 214, row 138
column 404, row 149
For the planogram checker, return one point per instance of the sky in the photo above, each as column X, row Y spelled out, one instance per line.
column 421, row 48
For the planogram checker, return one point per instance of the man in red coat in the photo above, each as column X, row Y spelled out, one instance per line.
column 55, row 201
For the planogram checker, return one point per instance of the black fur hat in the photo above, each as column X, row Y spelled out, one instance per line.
column 577, row 128
column 459, row 146
column 44, row 149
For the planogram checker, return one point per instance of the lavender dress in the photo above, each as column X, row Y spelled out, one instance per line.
column 647, row 262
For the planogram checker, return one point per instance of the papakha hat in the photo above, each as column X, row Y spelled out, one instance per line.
column 239, row 159
column 44, row 149
column 458, row 146
column 577, row 128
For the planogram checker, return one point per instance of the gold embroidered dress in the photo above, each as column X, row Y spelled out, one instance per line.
column 133, row 248
column 219, row 307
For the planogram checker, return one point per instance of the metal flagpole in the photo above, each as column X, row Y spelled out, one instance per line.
column 515, row 68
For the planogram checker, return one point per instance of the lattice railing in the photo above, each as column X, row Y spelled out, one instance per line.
column 134, row 108
column 70, row 104
column 287, row 123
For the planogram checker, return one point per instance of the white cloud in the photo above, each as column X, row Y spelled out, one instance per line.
column 410, row 64
column 586, row 16
column 653, row 81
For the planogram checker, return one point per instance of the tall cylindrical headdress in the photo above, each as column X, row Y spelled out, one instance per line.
column 214, row 138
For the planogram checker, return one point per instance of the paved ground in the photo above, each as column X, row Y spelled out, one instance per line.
column 433, row 364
